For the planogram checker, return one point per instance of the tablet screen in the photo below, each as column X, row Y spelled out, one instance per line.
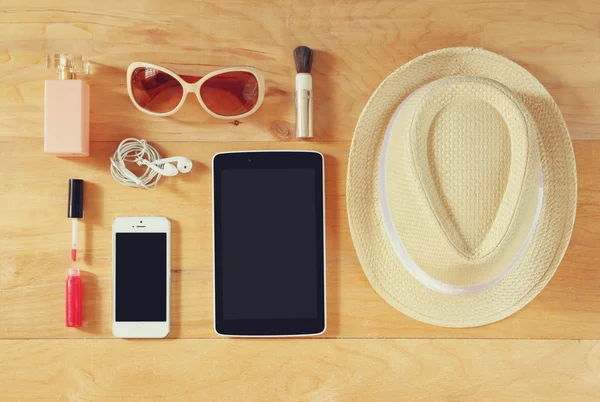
column 269, row 243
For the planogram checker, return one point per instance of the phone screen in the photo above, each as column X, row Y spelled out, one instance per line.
column 141, row 277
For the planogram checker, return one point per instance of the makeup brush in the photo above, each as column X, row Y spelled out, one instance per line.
column 304, row 109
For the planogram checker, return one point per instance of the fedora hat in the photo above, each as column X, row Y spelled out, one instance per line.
column 461, row 188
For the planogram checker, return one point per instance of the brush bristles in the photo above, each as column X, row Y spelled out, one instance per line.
column 303, row 59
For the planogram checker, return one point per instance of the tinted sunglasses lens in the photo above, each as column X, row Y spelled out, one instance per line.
column 154, row 90
column 230, row 94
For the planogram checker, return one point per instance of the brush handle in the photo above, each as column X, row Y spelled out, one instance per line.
column 304, row 106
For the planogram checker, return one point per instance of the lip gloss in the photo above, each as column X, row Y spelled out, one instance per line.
column 74, row 298
column 75, row 211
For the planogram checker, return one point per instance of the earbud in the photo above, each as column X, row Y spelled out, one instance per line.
column 166, row 170
column 184, row 165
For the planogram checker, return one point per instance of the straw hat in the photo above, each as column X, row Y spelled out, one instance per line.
column 461, row 188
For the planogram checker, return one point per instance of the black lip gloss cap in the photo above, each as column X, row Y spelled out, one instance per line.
column 75, row 198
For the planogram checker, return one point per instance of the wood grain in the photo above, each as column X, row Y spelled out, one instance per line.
column 315, row 370
column 34, row 254
column 357, row 44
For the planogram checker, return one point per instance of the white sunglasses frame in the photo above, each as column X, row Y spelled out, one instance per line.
column 195, row 88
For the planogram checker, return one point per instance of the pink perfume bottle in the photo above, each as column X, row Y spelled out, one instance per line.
column 67, row 107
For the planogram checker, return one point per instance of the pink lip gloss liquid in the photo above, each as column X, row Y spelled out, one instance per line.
column 74, row 297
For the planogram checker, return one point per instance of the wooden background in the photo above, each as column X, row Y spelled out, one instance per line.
column 549, row 350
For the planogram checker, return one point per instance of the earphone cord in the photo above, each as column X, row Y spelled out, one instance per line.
column 133, row 150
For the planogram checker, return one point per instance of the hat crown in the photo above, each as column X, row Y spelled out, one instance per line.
column 462, row 178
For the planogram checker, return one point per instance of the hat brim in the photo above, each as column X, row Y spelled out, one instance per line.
column 550, row 240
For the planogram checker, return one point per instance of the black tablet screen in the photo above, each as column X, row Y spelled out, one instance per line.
column 269, row 245
column 270, row 242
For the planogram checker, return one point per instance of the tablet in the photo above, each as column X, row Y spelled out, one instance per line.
column 269, row 243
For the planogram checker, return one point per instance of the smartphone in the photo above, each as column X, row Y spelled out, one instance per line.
column 141, row 277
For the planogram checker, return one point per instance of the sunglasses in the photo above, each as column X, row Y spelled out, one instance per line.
column 229, row 93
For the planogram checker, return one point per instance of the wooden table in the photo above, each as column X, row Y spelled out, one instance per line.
column 548, row 350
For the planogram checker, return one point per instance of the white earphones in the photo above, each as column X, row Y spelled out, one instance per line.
column 134, row 150
column 163, row 167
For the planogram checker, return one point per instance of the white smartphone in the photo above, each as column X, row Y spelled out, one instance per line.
column 141, row 277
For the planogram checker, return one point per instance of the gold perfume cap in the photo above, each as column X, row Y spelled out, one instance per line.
column 67, row 65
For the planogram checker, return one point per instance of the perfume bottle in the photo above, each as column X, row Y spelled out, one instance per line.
column 67, row 107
